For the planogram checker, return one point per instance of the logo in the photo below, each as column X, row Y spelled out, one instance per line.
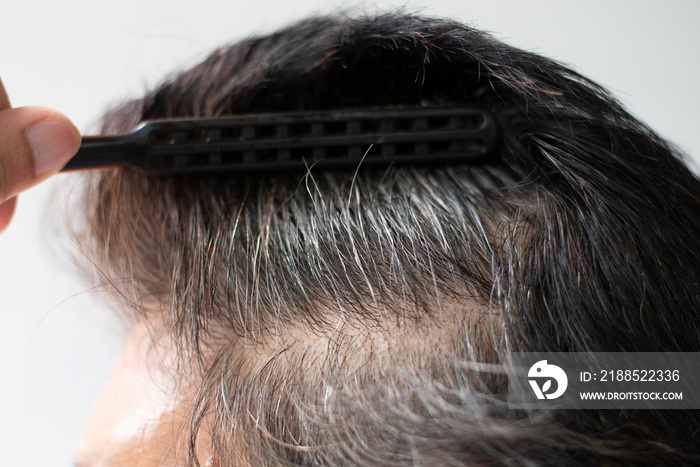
column 542, row 372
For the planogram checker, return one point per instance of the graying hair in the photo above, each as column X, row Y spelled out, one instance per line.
column 369, row 297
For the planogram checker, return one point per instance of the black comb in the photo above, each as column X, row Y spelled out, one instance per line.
column 280, row 142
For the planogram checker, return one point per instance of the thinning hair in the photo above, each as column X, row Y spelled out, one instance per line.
column 335, row 318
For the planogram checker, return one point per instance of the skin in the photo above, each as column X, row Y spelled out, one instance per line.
column 141, row 419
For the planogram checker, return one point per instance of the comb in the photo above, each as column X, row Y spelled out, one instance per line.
column 281, row 142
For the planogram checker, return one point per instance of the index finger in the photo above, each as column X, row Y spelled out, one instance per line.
column 4, row 99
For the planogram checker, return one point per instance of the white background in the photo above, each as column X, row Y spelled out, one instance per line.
column 57, row 343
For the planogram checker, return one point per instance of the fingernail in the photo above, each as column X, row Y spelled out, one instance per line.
column 54, row 141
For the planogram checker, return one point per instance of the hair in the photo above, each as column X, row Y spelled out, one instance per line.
column 336, row 317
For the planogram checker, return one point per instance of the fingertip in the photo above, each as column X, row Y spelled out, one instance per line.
column 54, row 140
column 36, row 143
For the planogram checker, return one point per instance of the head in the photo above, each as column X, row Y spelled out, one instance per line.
column 334, row 317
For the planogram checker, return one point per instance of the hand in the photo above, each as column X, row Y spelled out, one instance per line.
column 35, row 143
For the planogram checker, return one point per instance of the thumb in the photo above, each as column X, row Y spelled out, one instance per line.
column 34, row 143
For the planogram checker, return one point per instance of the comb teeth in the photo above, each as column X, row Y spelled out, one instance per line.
column 295, row 141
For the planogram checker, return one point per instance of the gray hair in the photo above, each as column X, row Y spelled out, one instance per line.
column 336, row 318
